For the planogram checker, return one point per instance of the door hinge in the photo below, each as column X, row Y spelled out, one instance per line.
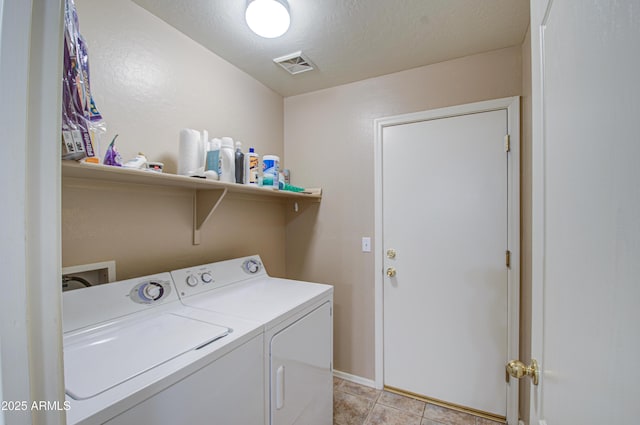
column 508, row 259
column 507, row 143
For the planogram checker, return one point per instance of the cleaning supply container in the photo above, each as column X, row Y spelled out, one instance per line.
column 239, row 157
column 270, row 170
column 251, row 167
column 227, row 161
column 212, row 162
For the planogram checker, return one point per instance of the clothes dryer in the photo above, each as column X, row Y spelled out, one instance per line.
column 297, row 318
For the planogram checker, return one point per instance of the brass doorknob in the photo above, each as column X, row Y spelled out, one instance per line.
column 391, row 272
column 517, row 369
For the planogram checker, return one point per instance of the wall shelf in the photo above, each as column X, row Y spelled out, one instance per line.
column 208, row 194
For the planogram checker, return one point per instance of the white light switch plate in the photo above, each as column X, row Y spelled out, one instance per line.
column 366, row 244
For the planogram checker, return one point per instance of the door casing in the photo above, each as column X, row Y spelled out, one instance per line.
column 512, row 105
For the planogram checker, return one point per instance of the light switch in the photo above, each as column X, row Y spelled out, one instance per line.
column 366, row 244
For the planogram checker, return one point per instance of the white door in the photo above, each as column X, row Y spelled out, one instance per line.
column 586, row 217
column 446, row 214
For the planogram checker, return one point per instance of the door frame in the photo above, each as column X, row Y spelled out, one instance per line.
column 512, row 105
column 31, row 353
column 540, row 10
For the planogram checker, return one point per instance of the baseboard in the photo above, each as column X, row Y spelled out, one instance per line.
column 355, row 379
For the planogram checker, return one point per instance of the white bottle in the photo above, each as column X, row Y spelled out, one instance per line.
column 227, row 161
column 251, row 169
column 202, row 156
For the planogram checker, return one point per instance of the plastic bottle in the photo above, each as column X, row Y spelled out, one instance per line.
column 239, row 163
column 251, row 167
column 270, row 170
column 202, row 155
column 212, row 163
column 227, row 161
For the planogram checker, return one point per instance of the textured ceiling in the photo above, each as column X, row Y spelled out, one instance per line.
column 348, row 40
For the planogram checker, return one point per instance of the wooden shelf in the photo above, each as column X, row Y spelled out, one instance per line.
column 128, row 175
column 208, row 194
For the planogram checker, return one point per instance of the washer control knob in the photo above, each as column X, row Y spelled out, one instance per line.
column 152, row 291
column 206, row 277
column 251, row 266
column 191, row 280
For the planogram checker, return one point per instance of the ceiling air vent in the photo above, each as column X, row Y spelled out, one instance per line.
column 295, row 63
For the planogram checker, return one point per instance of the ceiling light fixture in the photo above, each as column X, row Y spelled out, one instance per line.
column 268, row 18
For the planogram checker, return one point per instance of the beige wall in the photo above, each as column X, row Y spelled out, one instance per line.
column 329, row 143
column 525, row 228
column 149, row 81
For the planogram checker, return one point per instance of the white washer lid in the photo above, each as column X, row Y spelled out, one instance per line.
column 102, row 359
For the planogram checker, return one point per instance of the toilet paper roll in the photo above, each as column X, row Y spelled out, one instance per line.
column 189, row 152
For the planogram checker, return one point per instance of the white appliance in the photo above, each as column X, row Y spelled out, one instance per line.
column 298, row 332
column 134, row 354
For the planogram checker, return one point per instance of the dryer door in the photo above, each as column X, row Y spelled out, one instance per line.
column 301, row 371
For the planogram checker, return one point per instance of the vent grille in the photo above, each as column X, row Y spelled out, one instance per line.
column 295, row 63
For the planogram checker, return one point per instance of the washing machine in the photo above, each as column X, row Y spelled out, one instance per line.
column 297, row 318
column 133, row 353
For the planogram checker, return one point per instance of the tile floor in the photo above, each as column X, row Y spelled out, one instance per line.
column 355, row 404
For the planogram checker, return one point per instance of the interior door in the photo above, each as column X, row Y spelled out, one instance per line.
column 445, row 219
column 586, row 217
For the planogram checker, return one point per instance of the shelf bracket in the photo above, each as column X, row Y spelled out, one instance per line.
column 205, row 202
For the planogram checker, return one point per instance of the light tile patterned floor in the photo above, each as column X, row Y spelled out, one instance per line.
column 355, row 404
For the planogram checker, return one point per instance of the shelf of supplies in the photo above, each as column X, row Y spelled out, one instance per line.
column 208, row 194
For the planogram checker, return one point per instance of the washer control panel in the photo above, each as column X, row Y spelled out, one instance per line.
column 194, row 280
column 200, row 276
column 150, row 291
column 90, row 306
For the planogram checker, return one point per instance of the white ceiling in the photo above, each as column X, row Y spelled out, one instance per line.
column 349, row 40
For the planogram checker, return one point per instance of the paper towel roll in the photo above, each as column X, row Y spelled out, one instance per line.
column 189, row 152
